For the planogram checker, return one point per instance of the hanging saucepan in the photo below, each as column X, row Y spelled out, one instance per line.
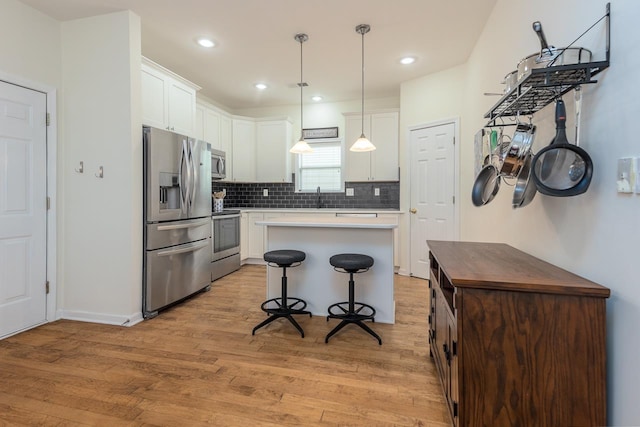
column 525, row 188
column 551, row 56
column 554, row 167
column 510, row 81
column 486, row 185
column 520, row 145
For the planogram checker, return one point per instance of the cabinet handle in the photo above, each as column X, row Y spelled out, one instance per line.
column 447, row 353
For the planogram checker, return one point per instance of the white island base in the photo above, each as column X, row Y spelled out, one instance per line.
column 315, row 280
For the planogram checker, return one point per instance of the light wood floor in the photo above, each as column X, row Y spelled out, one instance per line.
column 198, row 363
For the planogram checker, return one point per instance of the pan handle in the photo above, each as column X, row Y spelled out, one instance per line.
column 537, row 27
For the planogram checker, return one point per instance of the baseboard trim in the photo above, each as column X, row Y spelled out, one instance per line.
column 106, row 319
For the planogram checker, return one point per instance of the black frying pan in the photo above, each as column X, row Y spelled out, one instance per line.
column 486, row 185
column 553, row 168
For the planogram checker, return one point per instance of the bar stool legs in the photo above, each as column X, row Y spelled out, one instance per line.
column 283, row 306
column 351, row 311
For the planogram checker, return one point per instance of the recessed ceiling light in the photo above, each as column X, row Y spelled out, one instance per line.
column 408, row 60
column 316, row 98
column 261, row 86
column 204, row 42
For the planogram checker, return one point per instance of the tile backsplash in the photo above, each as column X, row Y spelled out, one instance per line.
column 283, row 196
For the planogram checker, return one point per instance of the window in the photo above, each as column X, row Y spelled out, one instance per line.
column 322, row 168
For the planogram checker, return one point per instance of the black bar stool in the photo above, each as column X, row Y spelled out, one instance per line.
column 285, row 306
column 351, row 311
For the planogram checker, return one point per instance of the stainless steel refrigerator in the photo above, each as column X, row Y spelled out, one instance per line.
column 177, row 212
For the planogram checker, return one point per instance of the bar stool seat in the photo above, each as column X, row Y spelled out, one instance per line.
column 283, row 306
column 351, row 311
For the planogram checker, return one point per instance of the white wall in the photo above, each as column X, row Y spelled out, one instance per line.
column 594, row 235
column 30, row 47
column 102, row 231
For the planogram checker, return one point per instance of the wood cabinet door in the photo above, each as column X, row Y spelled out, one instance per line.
column 357, row 165
column 182, row 108
column 244, row 151
column 155, row 102
column 384, row 135
column 273, row 139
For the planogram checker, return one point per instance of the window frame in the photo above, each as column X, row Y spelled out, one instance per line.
column 318, row 141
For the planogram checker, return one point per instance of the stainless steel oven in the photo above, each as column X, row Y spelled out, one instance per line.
column 225, row 246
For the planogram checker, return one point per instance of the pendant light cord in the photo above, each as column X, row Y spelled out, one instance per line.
column 301, row 87
column 362, row 82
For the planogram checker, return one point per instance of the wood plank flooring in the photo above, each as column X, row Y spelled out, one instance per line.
column 198, row 364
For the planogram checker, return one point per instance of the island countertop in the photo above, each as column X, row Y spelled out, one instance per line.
column 321, row 237
column 331, row 222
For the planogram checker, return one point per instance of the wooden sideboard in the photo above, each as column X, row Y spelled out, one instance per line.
column 517, row 341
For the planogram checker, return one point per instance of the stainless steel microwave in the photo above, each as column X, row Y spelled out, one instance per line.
column 218, row 164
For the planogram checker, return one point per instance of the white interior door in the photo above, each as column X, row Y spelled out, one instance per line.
column 23, row 221
column 432, row 192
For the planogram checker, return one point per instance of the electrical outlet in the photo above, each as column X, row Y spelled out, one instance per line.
column 376, row 192
column 265, row 192
column 224, row 191
column 349, row 192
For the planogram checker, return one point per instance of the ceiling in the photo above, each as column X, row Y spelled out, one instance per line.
column 255, row 43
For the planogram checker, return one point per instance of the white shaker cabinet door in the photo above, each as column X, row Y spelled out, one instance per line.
column 357, row 165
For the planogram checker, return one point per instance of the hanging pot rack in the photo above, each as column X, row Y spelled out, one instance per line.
column 541, row 86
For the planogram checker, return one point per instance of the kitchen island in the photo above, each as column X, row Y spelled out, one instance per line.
column 315, row 280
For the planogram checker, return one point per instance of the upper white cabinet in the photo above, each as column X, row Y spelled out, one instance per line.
column 209, row 125
column 273, row 140
column 382, row 163
column 168, row 100
column 244, row 150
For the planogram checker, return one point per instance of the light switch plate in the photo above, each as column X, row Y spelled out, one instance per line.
column 626, row 177
column 637, row 167
column 349, row 192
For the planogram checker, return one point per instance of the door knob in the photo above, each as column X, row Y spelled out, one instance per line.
column 413, row 210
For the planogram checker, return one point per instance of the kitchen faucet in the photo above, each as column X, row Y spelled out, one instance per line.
column 318, row 204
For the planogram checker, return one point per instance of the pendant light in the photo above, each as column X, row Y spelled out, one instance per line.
column 301, row 147
column 362, row 144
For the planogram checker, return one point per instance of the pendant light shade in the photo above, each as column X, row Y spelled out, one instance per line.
column 362, row 144
column 301, row 147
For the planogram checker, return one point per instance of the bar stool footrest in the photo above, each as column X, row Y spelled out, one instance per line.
column 292, row 306
column 361, row 311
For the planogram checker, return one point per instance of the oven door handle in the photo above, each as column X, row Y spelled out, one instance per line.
column 191, row 248
column 181, row 226
column 225, row 216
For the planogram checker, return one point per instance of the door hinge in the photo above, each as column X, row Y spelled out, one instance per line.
column 46, row 286
column 48, row 119
column 453, row 199
column 48, row 203
column 454, row 140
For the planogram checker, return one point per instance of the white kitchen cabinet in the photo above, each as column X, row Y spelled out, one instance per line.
column 273, row 140
column 255, row 236
column 198, row 133
column 208, row 125
column 382, row 163
column 168, row 100
column 244, row 150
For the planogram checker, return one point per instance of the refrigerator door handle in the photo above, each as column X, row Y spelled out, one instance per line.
column 194, row 174
column 183, row 226
column 183, row 182
column 190, row 248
